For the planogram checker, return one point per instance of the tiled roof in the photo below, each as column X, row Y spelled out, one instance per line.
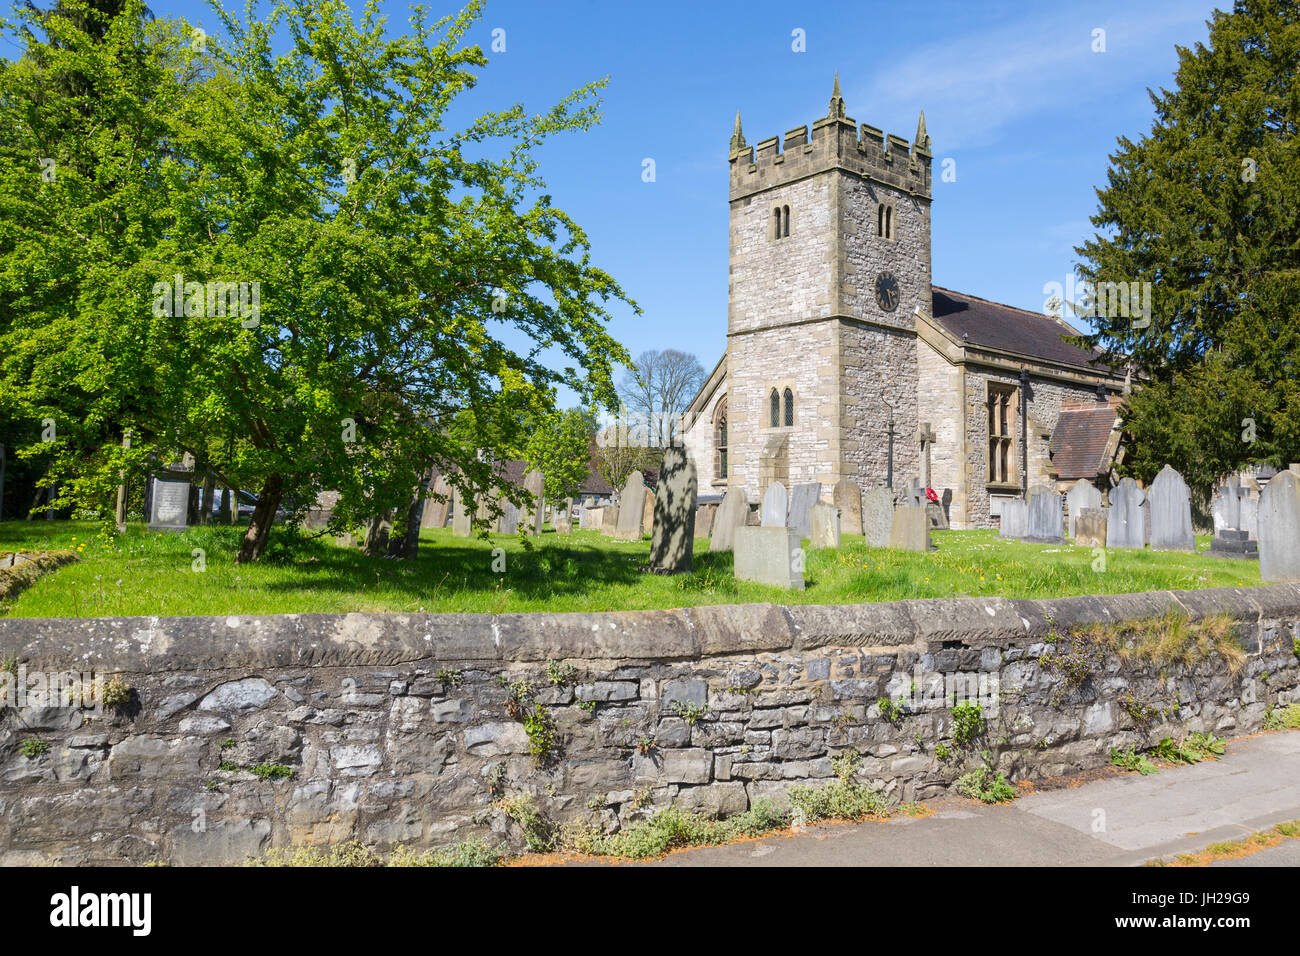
column 993, row 325
column 1081, row 440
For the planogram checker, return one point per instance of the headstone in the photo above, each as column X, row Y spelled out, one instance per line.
column 1125, row 525
column 564, row 517
column 508, row 523
column 609, row 520
column 1046, row 523
column 1279, row 529
column 911, row 530
column 877, row 516
column 732, row 514
column 1084, row 494
column 912, row 494
column 1015, row 519
column 1171, row 513
column 1226, row 507
column 631, row 507
column 461, row 526
column 169, row 506
column 435, row 511
column 938, row 517
column 673, row 536
column 769, row 556
column 648, row 514
column 848, row 498
column 1090, row 528
column 1250, row 515
column 534, row 516
column 776, row 506
column 825, row 526
column 704, row 520
column 927, row 438
column 591, row 519
column 802, row 500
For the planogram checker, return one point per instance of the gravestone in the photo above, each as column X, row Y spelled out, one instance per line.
column 609, row 520
column 911, row 530
column 1234, row 543
column 1226, row 507
column 776, row 506
column 534, row 516
column 912, row 495
column 1015, row 519
column 1171, row 513
column 1084, row 494
column 631, row 507
column 1250, row 514
column 732, row 514
column 169, row 505
column 877, row 516
column 436, row 512
column 848, row 498
column 1045, row 520
column 1279, row 529
column 802, row 500
column 1125, row 523
column 508, row 523
column 769, row 556
column 927, row 438
column 564, row 517
column 461, row 525
column 704, row 520
column 648, row 514
column 592, row 519
column 938, row 517
column 673, row 535
column 825, row 526
column 1090, row 528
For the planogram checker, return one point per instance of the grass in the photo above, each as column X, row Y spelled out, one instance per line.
column 353, row 854
column 1288, row 718
column 1235, row 849
column 139, row 573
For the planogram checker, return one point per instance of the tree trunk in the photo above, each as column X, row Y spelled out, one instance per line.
column 374, row 541
column 209, row 492
column 404, row 547
column 254, row 543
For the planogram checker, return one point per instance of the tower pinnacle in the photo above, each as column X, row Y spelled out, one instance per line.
column 737, row 137
column 837, row 101
column 922, row 139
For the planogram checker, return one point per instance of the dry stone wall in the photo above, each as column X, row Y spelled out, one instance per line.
column 408, row 728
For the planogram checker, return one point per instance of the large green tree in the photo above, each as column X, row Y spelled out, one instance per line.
column 1205, row 209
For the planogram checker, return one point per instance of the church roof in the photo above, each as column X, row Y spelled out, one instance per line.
column 1008, row 329
column 1081, row 441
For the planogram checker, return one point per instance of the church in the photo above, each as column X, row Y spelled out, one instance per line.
column 844, row 360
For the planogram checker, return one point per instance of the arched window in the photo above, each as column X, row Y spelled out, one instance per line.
column 776, row 223
column 774, row 401
column 785, row 222
column 885, row 221
column 789, row 408
column 720, row 439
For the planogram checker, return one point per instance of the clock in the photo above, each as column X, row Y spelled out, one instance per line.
column 887, row 296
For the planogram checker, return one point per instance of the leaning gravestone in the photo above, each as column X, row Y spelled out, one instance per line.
column 534, row 516
column 704, row 520
column 911, row 530
column 631, row 506
column 1279, row 529
column 1084, row 494
column 776, row 506
column 673, row 535
column 436, row 512
column 769, row 556
column 1015, row 519
column 169, row 505
column 1125, row 524
column 825, row 526
column 1090, row 528
column 509, row 520
column 1171, row 513
column 732, row 514
column 1045, row 520
column 609, row 520
column 802, row 500
column 564, row 517
column 648, row 513
column 848, row 498
column 877, row 516
column 461, row 526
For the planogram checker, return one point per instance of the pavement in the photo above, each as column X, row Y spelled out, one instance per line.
column 1120, row 820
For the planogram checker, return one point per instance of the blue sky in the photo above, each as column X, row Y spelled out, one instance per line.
column 1012, row 92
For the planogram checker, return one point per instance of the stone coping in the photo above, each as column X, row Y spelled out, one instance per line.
column 141, row 644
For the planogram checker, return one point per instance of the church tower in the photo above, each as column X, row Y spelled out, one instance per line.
column 830, row 260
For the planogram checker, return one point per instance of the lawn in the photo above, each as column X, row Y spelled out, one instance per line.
column 140, row 573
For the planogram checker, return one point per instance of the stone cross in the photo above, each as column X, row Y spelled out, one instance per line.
column 927, row 438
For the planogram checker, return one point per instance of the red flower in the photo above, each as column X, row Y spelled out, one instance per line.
column 930, row 493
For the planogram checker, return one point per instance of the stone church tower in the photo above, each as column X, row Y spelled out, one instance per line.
column 840, row 348
column 830, row 259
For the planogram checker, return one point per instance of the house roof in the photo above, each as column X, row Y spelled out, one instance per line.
column 1081, row 442
column 1004, row 327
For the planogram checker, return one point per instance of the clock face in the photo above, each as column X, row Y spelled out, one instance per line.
column 887, row 296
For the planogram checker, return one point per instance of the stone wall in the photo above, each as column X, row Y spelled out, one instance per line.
column 403, row 728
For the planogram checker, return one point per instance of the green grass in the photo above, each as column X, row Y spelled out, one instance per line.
column 139, row 573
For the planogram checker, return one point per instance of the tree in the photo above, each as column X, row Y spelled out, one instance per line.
column 617, row 456
column 559, row 448
column 1203, row 210
column 658, row 389
column 382, row 258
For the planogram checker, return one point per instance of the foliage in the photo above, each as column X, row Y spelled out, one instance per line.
column 1200, row 208
column 1288, row 718
column 982, row 785
column 560, row 447
column 560, row 674
column 117, row 692
column 450, row 678
column 657, row 390
column 1132, row 760
column 543, row 737
column 354, row 854
column 842, row 799
column 540, row 834
column 968, row 723
column 33, row 747
column 690, row 711
column 891, row 711
column 1142, row 712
